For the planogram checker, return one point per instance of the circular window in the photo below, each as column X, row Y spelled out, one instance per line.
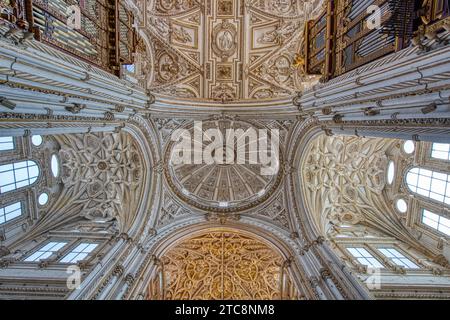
column 402, row 206
column 55, row 165
column 409, row 147
column 391, row 172
column 43, row 199
column 36, row 140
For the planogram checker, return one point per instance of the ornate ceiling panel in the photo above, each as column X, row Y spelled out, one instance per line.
column 225, row 50
column 102, row 176
column 347, row 195
column 222, row 265
column 344, row 178
column 218, row 186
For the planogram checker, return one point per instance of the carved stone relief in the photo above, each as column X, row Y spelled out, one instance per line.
column 102, row 175
column 226, row 50
column 222, row 265
column 227, row 186
column 343, row 178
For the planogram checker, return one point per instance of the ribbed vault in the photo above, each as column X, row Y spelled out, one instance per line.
column 344, row 183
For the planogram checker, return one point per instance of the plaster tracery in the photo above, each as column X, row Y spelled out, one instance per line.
column 102, row 175
column 344, row 177
column 276, row 211
column 352, row 203
column 171, row 210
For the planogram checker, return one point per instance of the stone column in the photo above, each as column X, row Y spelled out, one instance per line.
column 328, row 278
column 315, row 283
column 116, row 274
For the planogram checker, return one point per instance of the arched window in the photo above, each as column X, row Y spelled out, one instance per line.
column 17, row 175
column 6, row 143
column 430, row 184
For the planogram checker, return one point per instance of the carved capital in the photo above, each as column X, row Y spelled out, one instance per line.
column 327, row 111
column 118, row 270
column 371, row 112
column 296, row 101
column 75, row 108
column 4, row 251
column 119, row 108
column 337, row 118
column 152, row 232
column 328, row 132
column 129, row 279
column 314, row 281
column 325, row 273
column 108, row 116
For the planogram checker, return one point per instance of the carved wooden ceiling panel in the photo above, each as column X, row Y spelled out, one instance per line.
column 225, row 50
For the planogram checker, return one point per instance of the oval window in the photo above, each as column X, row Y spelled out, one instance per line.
column 402, row 206
column 36, row 140
column 409, row 147
column 55, row 165
column 43, row 199
column 391, row 172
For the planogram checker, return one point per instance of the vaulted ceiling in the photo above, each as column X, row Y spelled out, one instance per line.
column 222, row 265
column 225, row 50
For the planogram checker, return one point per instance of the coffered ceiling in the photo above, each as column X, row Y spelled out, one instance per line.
column 225, row 50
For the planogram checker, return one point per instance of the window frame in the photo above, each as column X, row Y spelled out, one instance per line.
column 20, row 216
column 400, row 252
column 421, row 196
column 43, row 245
column 369, row 251
column 74, row 246
column 13, row 142
column 435, row 231
column 432, row 150
column 12, row 163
